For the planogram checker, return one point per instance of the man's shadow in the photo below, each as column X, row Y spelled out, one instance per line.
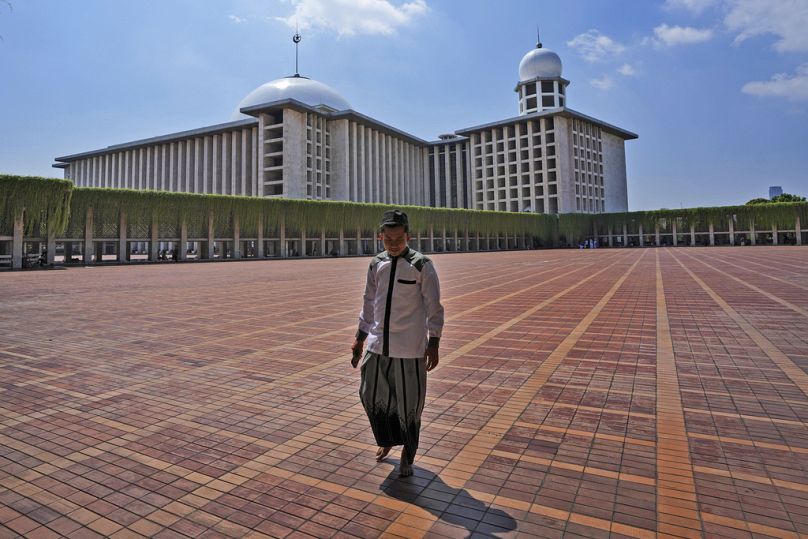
column 453, row 506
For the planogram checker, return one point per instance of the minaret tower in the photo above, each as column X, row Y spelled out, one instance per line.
column 541, row 86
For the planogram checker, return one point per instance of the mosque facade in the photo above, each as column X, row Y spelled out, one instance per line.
column 295, row 137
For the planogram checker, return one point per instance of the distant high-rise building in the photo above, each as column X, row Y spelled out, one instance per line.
column 297, row 138
column 774, row 191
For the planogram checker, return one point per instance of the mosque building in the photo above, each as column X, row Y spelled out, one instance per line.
column 296, row 137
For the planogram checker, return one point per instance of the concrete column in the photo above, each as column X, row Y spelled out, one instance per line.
column 479, row 242
column 260, row 251
column 51, row 247
column 303, row 243
column 752, row 234
column 611, row 238
column 466, row 244
column 420, row 247
column 154, row 245
column 774, row 234
column 692, row 235
column 456, row 241
column 431, row 239
column 16, row 243
column 211, row 236
column 656, row 234
column 183, row 246
column 797, row 230
column 711, row 229
column 236, row 237
column 673, row 229
column 359, row 242
column 625, row 235
column 284, row 252
column 443, row 240
column 731, row 231
column 322, row 243
column 642, row 239
column 88, row 238
column 123, row 252
column 341, row 242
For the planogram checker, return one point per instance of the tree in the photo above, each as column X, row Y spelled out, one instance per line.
column 785, row 197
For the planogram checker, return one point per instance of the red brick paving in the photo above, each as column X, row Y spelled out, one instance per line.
column 216, row 400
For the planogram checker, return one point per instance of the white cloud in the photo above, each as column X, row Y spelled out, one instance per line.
column 603, row 83
column 696, row 7
column 670, row 36
column 594, row 46
column 627, row 70
column 354, row 17
column 786, row 19
column 794, row 88
column 236, row 19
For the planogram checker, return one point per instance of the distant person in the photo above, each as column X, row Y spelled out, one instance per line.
column 402, row 320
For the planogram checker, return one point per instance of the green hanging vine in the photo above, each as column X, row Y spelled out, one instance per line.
column 59, row 204
column 41, row 200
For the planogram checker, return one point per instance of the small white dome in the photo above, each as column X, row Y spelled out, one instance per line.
column 539, row 63
column 302, row 89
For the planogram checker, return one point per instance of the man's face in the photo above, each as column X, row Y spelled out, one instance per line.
column 394, row 239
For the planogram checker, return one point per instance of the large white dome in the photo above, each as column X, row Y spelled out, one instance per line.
column 302, row 89
column 539, row 63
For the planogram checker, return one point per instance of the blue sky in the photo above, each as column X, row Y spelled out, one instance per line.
column 716, row 89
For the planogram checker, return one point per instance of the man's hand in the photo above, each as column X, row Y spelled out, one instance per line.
column 357, row 352
column 431, row 357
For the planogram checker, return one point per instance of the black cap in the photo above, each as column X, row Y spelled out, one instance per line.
column 395, row 218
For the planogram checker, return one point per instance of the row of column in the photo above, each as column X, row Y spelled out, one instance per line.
column 384, row 168
column 460, row 242
column 441, row 175
column 222, row 163
column 710, row 232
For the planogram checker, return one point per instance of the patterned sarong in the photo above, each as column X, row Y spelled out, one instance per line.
column 393, row 391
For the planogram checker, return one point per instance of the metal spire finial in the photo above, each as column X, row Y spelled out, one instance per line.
column 296, row 39
column 538, row 38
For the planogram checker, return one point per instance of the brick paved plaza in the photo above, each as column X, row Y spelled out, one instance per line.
column 580, row 393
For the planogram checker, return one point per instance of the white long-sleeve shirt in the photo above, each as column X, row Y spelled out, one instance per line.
column 401, row 310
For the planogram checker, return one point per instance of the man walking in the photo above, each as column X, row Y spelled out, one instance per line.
column 402, row 320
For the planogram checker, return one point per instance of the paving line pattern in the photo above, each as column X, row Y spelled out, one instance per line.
column 216, row 404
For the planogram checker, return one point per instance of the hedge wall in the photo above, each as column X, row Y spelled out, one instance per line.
column 53, row 201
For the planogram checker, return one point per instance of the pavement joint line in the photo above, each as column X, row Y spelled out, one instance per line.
column 530, row 273
column 587, row 434
column 477, row 342
column 752, row 443
column 751, row 527
column 774, row 420
column 745, row 398
column 781, row 301
column 745, row 380
column 449, row 419
column 770, row 263
column 723, row 260
column 789, row 368
column 599, row 409
column 294, row 376
column 452, row 355
column 489, row 436
column 670, row 419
